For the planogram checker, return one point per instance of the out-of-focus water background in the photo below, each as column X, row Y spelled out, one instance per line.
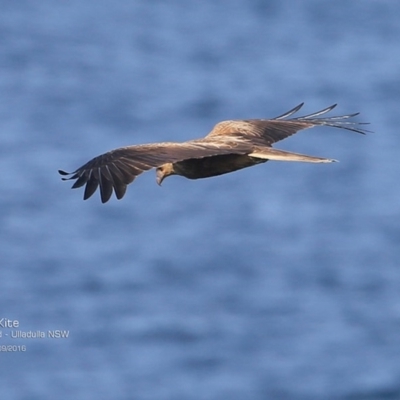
column 281, row 281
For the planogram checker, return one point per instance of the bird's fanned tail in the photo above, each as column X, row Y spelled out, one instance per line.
column 269, row 153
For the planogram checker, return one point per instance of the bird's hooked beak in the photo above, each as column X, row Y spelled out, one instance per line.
column 159, row 176
column 163, row 171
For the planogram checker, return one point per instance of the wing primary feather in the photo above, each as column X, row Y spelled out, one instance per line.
column 343, row 125
column 83, row 178
column 291, row 112
column 106, row 187
column 345, row 117
column 316, row 114
column 90, row 188
column 74, row 175
column 120, row 190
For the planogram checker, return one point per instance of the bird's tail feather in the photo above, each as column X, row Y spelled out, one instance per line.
column 280, row 155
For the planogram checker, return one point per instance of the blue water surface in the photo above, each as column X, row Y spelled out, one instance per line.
column 281, row 281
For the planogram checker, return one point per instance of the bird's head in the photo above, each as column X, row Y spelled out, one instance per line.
column 163, row 171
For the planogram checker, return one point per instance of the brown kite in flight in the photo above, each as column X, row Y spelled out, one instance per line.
column 230, row 146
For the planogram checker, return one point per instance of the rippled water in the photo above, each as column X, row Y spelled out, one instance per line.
column 280, row 281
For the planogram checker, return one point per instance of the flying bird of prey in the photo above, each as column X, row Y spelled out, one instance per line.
column 230, row 146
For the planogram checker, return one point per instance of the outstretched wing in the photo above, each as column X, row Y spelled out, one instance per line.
column 268, row 131
column 118, row 168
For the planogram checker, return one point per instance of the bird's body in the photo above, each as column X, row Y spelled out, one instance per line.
column 196, row 168
column 230, row 146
